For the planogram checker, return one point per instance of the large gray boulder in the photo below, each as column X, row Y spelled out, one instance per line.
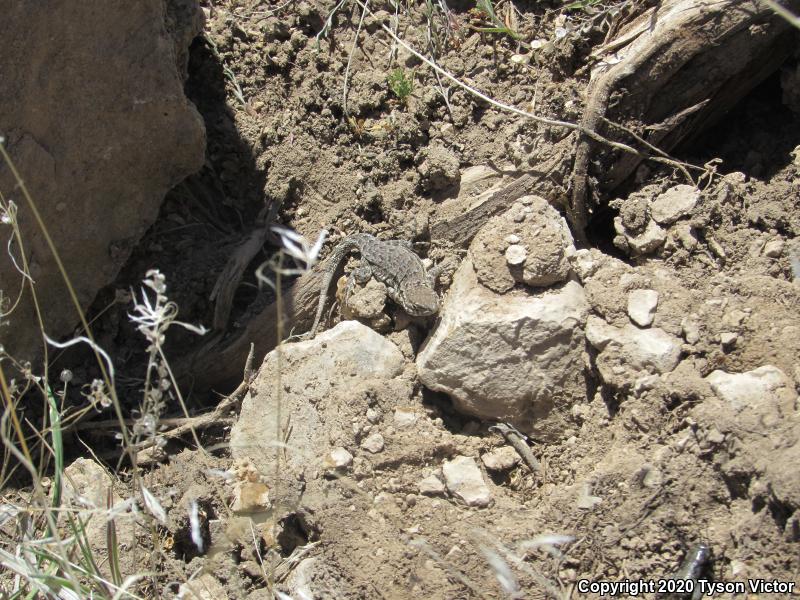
column 514, row 357
column 95, row 119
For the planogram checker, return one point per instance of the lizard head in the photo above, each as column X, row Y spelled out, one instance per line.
column 420, row 300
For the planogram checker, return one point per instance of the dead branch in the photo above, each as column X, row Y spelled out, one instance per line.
column 675, row 69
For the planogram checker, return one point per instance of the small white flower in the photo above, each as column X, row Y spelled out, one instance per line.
column 194, row 525
column 154, row 506
column 298, row 247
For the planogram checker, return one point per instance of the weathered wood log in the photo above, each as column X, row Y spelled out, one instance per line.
column 458, row 220
column 219, row 362
column 672, row 73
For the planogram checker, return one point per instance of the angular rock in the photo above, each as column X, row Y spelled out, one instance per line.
column 373, row 416
column 431, row 486
column 646, row 242
column 642, row 306
column 464, row 480
column 374, row 443
column 676, row 202
column 99, row 131
column 339, row 458
column 728, row 339
column 764, row 385
column 690, row 327
column 515, row 357
column 626, row 352
column 774, row 248
column 585, row 263
column 299, row 583
column 646, row 348
column 250, row 497
column 404, row 418
column 320, row 380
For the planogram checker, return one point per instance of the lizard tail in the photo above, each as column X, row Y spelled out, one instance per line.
column 339, row 253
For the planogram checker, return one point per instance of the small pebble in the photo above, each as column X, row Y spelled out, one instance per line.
column 774, row 249
column 728, row 339
column 374, row 443
column 404, row 417
column 642, row 306
column 431, row 486
column 516, row 254
column 339, row 458
column 501, row 459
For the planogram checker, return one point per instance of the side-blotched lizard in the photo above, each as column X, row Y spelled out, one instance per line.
column 392, row 262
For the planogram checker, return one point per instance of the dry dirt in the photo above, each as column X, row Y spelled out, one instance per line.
column 647, row 468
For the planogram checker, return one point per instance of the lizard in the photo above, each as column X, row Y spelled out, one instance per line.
column 392, row 262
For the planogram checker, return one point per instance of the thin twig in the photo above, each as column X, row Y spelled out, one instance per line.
column 217, row 415
column 517, row 441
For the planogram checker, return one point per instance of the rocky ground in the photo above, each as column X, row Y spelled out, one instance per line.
column 653, row 375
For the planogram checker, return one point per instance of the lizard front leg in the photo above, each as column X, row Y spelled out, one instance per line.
column 361, row 275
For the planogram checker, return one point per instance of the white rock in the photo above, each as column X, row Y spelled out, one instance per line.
column 650, row 240
column 728, row 338
column 464, row 480
column 586, row 501
column 642, row 306
column 500, row 459
column 639, row 348
column 584, row 264
column 516, row 254
column 301, row 578
column 374, row 443
column 513, row 357
column 373, row 416
column 431, row 486
column 87, row 488
column 318, row 379
column 734, row 318
column 204, row 587
column 690, row 327
column 774, row 248
column 673, row 204
column 404, row 418
column 339, row 458
column 599, row 333
column 743, row 390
